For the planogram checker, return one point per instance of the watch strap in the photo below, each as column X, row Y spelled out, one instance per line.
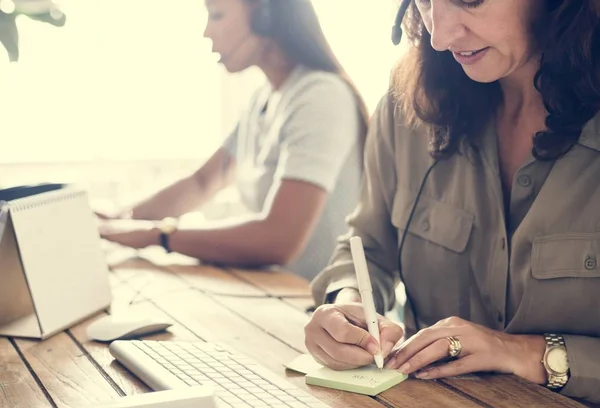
column 164, row 242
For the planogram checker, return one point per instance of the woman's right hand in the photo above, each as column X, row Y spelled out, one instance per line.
column 121, row 215
column 337, row 336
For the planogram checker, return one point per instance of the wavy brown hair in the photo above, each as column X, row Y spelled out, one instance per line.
column 434, row 91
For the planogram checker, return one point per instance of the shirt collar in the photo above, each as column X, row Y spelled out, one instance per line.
column 590, row 135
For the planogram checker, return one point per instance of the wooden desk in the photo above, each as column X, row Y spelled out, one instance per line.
column 230, row 306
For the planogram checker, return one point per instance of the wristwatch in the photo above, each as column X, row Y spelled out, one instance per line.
column 555, row 361
column 167, row 227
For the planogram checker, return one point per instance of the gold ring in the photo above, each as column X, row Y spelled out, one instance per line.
column 455, row 346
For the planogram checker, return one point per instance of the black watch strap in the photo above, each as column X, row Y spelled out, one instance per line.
column 164, row 242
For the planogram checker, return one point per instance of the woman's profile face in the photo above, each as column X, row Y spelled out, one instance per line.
column 229, row 29
column 491, row 39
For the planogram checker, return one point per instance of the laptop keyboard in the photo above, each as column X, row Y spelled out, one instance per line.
column 239, row 382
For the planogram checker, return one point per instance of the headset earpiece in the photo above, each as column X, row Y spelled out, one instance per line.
column 397, row 28
column 262, row 21
column 396, row 34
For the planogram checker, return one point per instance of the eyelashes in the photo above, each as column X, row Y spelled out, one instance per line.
column 465, row 3
column 472, row 4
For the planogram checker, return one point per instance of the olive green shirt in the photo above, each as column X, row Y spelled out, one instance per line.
column 530, row 269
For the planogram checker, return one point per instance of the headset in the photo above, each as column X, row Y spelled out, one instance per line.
column 397, row 28
column 262, row 20
column 396, row 38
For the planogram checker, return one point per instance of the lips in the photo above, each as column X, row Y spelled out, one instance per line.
column 469, row 57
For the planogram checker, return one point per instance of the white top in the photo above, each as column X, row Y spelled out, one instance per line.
column 308, row 131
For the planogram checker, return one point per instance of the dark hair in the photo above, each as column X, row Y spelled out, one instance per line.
column 296, row 29
column 434, row 91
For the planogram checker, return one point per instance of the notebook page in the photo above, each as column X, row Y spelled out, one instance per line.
column 61, row 253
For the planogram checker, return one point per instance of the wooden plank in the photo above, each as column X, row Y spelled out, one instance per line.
column 18, row 388
column 212, row 321
column 146, row 280
column 213, row 280
column 276, row 282
column 66, row 373
column 509, row 391
column 301, row 304
column 274, row 317
column 417, row 393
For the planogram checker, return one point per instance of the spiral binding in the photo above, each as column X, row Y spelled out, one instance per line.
column 50, row 197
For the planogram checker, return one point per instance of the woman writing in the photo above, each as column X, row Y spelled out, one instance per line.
column 482, row 197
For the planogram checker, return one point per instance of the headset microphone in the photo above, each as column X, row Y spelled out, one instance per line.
column 397, row 28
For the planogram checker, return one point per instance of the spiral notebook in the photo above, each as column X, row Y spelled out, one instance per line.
column 53, row 273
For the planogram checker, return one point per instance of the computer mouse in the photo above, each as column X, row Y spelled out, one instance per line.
column 115, row 327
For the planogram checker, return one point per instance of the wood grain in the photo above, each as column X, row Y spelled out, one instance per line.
column 18, row 388
column 508, row 391
column 417, row 393
column 66, row 373
column 275, row 282
column 214, row 280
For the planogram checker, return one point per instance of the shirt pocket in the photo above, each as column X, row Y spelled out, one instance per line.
column 435, row 262
column 433, row 220
column 563, row 294
column 566, row 256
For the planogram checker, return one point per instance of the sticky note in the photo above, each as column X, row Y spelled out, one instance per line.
column 304, row 364
column 368, row 380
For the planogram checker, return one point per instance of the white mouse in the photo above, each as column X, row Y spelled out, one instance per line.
column 109, row 328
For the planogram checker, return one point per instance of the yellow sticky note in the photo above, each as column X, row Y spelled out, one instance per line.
column 304, row 364
column 368, row 380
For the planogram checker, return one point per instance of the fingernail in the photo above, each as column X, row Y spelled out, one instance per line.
column 404, row 368
column 373, row 348
column 423, row 375
column 387, row 347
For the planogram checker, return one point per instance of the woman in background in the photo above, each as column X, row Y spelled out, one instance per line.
column 295, row 155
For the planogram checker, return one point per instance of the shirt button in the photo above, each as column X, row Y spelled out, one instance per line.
column 426, row 226
column 524, row 180
column 590, row 263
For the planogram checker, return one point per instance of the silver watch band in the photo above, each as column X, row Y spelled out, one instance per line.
column 554, row 340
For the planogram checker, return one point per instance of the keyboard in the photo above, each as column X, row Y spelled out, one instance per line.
column 238, row 381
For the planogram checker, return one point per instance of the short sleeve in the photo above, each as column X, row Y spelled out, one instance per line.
column 320, row 131
column 231, row 141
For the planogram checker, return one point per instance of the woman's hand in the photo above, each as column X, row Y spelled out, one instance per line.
column 483, row 349
column 135, row 234
column 121, row 215
column 337, row 336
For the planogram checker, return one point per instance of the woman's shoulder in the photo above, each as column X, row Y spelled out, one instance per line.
column 316, row 82
column 389, row 128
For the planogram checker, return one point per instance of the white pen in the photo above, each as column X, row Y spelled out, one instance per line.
column 366, row 292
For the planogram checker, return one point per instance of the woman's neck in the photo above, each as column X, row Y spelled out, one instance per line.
column 522, row 103
column 276, row 66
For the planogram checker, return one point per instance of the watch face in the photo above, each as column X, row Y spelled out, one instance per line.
column 557, row 360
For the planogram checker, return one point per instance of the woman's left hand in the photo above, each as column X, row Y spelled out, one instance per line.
column 483, row 349
column 134, row 234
